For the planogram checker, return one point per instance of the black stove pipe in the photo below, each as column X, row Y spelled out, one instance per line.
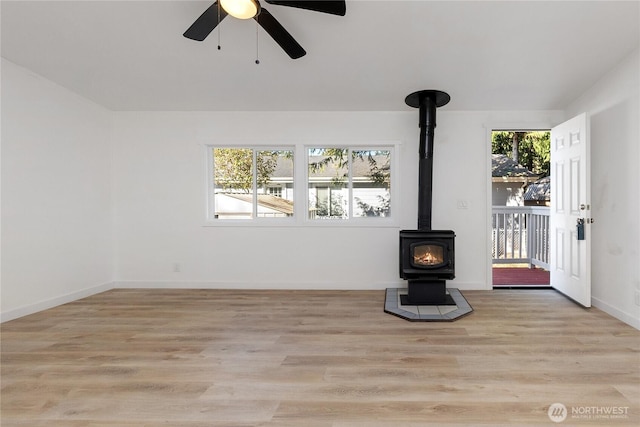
column 427, row 101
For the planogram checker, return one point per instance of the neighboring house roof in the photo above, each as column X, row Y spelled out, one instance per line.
column 361, row 168
column 284, row 169
column 266, row 200
column 504, row 168
column 539, row 190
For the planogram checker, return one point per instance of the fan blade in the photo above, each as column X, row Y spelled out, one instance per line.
column 279, row 34
column 335, row 7
column 201, row 28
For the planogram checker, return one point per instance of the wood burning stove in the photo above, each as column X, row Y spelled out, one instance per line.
column 427, row 257
column 427, row 254
column 427, row 260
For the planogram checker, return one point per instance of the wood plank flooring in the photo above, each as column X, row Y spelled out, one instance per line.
column 195, row 358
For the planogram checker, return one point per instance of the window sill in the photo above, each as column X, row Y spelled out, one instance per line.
column 284, row 223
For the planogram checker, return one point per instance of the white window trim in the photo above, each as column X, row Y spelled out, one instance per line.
column 351, row 220
column 300, row 217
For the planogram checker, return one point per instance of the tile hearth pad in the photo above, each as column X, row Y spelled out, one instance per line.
column 426, row 313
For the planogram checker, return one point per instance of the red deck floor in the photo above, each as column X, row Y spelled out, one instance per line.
column 520, row 276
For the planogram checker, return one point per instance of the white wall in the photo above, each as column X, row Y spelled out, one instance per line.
column 612, row 105
column 56, row 205
column 159, row 200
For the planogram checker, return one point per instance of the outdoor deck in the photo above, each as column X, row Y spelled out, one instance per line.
column 520, row 246
column 520, row 276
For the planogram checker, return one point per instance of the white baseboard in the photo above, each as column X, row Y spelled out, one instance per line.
column 258, row 285
column 53, row 302
column 348, row 286
column 618, row 314
column 469, row 286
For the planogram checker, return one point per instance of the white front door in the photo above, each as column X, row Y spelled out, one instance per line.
column 570, row 205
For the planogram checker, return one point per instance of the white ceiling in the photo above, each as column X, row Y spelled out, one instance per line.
column 512, row 55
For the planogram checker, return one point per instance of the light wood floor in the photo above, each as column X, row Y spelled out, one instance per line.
column 308, row 358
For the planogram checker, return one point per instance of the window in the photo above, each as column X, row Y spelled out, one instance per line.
column 275, row 191
column 249, row 183
column 346, row 183
column 343, row 186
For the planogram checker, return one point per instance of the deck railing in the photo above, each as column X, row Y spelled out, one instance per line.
column 520, row 234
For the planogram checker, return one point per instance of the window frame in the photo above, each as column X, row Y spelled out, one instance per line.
column 350, row 148
column 210, row 218
column 300, row 217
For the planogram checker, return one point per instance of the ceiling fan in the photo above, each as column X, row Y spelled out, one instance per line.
column 247, row 9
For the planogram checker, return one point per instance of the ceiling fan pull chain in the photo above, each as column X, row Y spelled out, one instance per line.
column 257, row 50
column 219, row 26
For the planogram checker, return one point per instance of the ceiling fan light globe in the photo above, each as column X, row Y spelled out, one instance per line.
column 241, row 9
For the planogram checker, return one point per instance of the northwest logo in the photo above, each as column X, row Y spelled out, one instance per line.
column 557, row 412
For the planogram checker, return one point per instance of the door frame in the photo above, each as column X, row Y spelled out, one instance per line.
column 490, row 127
